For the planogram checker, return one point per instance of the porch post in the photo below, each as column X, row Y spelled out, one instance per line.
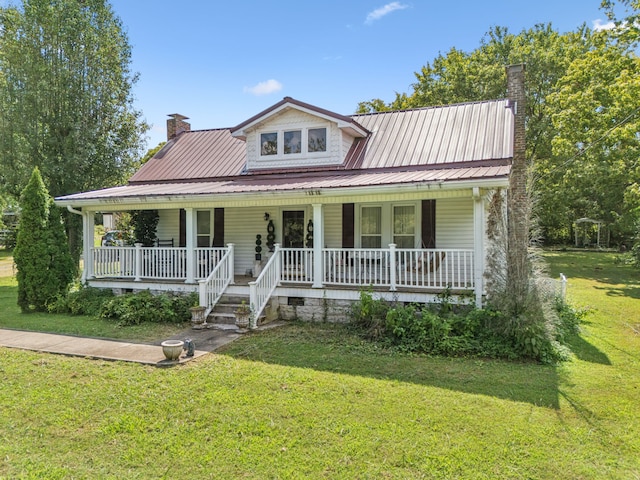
column 318, row 243
column 478, row 245
column 392, row 267
column 87, row 245
column 190, row 244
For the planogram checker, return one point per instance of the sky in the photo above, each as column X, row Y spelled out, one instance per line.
column 221, row 62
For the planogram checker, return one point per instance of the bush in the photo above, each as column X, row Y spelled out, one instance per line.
column 369, row 314
column 83, row 301
column 137, row 308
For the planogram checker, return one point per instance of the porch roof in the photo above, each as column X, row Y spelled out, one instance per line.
column 463, row 177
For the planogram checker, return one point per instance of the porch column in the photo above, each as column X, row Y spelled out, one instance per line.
column 190, row 226
column 478, row 245
column 87, row 244
column 318, row 244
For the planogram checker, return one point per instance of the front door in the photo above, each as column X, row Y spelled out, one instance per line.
column 293, row 228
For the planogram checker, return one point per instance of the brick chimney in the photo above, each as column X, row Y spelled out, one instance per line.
column 176, row 125
column 518, row 202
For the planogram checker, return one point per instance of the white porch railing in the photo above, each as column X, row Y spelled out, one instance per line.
column 357, row 266
column 354, row 267
column 115, row 262
column 296, row 265
column 434, row 268
column 212, row 288
column 392, row 267
column 263, row 287
column 161, row 263
column 153, row 263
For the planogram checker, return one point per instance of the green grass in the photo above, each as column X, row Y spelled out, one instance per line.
column 314, row 401
column 12, row 317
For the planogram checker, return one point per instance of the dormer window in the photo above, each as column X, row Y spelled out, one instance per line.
column 317, row 140
column 292, row 142
column 300, row 142
column 269, row 143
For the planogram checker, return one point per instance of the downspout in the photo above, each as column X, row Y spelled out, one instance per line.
column 73, row 210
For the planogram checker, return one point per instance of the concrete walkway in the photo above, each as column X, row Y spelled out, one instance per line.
column 205, row 341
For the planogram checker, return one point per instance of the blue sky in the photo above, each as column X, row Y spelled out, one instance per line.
column 221, row 62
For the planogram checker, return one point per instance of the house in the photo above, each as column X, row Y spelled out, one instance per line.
column 395, row 201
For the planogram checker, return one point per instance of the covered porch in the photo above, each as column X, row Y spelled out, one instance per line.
column 398, row 243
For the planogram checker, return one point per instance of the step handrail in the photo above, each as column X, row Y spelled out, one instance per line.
column 262, row 288
column 212, row 288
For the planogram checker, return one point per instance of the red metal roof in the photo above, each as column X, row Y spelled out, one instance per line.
column 437, row 144
column 293, row 182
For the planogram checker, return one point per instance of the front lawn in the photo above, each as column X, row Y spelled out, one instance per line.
column 314, row 401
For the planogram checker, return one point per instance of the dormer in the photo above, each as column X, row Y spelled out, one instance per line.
column 293, row 134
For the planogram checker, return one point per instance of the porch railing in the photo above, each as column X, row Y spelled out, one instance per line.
column 153, row 263
column 393, row 267
column 221, row 276
column 263, row 287
column 164, row 263
column 296, row 265
column 354, row 267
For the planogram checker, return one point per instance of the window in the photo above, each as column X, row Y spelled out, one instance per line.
column 404, row 226
column 269, row 143
column 317, row 140
column 203, row 228
column 371, row 227
column 292, row 142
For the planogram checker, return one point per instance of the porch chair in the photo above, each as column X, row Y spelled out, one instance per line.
column 164, row 243
column 433, row 262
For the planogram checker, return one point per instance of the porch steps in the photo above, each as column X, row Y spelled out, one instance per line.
column 223, row 312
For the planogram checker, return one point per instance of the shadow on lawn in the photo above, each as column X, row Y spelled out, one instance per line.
column 587, row 352
column 317, row 347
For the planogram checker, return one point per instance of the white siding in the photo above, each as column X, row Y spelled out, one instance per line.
column 169, row 225
column 333, row 226
column 293, row 120
column 454, row 223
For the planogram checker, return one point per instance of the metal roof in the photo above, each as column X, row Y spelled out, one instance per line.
column 195, row 155
column 438, row 135
column 292, row 182
column 436, row 144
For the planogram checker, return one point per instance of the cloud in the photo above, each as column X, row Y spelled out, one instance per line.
column 378, row 13
column 264, row 88
column 598, row 25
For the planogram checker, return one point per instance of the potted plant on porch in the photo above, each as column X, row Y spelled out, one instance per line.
column 242, row 313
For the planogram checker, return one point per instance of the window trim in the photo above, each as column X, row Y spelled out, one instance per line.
column 304, row 143
column 415, row 223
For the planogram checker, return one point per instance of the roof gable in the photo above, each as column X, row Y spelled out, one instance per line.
column 343, row 122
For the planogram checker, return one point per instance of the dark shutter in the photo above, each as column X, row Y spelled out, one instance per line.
column 348, row 217
column 183, row 227
column 218, row 227
column 428, row 224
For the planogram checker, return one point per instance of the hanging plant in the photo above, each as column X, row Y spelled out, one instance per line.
column 271, row 236
column 309, row 238
column 258, row 247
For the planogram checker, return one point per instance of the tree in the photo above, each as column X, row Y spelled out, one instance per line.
column 66, row 99
column 479, row 75
column 42, row 258
column 596, row 114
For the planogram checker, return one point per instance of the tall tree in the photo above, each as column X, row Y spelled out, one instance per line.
column 596, row 114
column 66, row 98
column 42, row 257
column 479, row 75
